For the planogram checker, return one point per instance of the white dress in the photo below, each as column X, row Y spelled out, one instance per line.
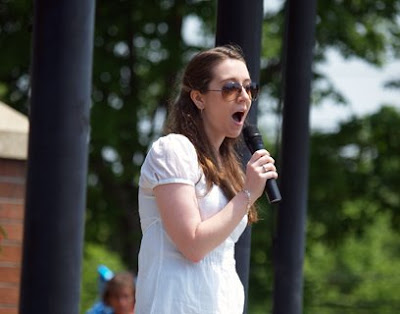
column 167, row 282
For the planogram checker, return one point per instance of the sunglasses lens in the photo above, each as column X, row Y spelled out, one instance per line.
column 231, row 90
column 252, row 90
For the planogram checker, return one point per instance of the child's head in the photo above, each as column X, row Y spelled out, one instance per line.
column 119, row 293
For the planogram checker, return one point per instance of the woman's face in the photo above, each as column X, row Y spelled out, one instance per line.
column 122, row 301
column 224, row 117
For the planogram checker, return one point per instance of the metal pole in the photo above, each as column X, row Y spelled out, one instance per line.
column 57, row 156
column 240, row 22
column 290, row 237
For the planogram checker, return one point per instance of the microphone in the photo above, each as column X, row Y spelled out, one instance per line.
column 254, row 142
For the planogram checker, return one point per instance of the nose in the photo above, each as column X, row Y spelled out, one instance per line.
column 242, row 94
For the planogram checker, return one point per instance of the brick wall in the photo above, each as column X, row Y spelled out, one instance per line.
column 12, row 194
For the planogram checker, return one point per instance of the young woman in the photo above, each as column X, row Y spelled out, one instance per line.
column 194, row 198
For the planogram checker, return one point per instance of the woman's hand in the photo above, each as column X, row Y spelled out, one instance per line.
column 259, row 169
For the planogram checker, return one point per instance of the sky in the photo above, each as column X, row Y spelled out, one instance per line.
column 361, row 83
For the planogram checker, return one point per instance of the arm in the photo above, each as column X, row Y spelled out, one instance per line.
column 181, row 217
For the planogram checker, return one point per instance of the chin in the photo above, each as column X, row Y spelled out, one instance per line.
column 234, row 134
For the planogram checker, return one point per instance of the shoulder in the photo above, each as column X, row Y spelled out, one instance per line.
column 173, row 145
column 171, row 159
column 173, row 141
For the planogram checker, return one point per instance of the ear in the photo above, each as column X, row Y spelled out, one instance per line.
column 197, row 98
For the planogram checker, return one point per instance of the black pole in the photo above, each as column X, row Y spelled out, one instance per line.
column 240, row 22
column 57, row 156
column 290, row 237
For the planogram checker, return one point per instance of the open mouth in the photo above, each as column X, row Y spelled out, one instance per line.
column 238, row 116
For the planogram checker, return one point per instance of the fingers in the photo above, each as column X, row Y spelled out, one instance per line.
column 268, row 167
column 269, row 171
column 260, row 168
column 261, row 157
column 259, row 154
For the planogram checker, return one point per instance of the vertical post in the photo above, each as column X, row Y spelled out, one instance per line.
column 57, row 156
column 289, row 242
column 240, row 22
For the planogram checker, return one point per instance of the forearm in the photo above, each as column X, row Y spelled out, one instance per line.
column 210, row 233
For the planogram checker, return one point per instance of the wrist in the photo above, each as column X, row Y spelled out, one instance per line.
column 248, row 198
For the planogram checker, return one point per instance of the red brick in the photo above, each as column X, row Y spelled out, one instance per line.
column 13, row 168
column 9, row 309
column 10, row 253
column 12, row 190
column 10, row 275
column 14, row 230
column 9, row 295
column 12, row 194
column 12, row 210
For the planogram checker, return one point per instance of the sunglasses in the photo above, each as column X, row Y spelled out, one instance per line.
column 232, row 90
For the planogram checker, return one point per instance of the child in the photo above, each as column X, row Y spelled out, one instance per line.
column 119, row 293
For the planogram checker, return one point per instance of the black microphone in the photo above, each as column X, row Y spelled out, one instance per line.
column 254, row 142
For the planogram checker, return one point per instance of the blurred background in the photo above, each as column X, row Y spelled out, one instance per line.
column 352, row 258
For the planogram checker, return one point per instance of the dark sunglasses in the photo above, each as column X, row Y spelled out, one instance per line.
column 230, row 91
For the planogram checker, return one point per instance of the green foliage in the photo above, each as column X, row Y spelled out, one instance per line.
column 15, row 38
column 365, row 29
column 93, row 256
column 353, row 252
column 361, row 275
column 359, row 163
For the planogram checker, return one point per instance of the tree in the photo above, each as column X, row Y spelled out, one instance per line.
column 359, row 164
column 352, row 256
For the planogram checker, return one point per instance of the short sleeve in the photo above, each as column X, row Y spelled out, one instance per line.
column 171, row 159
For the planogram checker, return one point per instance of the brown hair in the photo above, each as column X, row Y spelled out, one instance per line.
column 120, row 280
column 185, row 118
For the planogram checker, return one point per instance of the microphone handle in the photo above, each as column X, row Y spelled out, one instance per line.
column 272, row 191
